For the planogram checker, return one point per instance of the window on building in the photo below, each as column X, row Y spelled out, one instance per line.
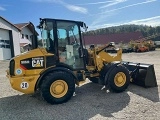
column 4, row 44
column 7, row 42
column 31, row 37
column 22, row 35
column 27, row 36
column 7, row 46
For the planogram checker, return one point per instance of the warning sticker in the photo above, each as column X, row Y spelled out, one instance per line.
column 18, row 71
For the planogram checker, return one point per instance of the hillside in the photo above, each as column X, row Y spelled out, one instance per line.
column 145, row 30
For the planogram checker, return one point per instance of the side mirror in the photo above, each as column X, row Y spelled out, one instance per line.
column 85, row 27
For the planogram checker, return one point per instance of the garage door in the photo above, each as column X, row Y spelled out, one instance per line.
column 4, row 45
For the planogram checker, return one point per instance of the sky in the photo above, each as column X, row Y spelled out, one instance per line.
column 95, row 13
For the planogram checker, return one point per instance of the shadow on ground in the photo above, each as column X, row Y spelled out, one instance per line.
column 89, row 101
column 148, row 93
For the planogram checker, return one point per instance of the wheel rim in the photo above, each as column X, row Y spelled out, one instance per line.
column 120, row 79
column 58, row 88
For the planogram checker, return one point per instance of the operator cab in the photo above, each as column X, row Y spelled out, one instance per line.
column 63, row 39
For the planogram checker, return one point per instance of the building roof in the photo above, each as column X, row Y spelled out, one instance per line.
column 21, row 25
column 10, row 23
column 119, row 37
column 29, row 25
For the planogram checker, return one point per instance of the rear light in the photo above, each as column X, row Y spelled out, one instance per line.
column 11, row 67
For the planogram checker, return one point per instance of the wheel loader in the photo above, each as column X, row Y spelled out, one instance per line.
column 63, row 62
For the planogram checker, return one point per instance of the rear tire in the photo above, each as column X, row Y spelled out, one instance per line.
column 117, row 79
column 57, row 87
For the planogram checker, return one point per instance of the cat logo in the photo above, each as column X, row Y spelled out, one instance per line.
column 37, row 62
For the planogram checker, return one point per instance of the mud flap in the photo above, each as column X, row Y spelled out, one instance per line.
column 142, row 74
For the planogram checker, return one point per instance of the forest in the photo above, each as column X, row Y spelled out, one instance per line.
column 144, row 29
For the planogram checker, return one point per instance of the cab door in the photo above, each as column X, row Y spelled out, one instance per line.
column 69, row 45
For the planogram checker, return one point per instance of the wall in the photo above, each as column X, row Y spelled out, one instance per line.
column 16, row 41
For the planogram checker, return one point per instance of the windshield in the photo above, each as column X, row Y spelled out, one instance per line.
column 68, row 33
column 47, row 36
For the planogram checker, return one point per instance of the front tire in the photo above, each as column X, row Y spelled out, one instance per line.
column 117, row 79
column 57, row 87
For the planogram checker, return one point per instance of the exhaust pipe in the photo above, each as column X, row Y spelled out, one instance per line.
column 142, row 74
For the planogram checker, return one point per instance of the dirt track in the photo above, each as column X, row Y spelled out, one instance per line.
column 90, row 101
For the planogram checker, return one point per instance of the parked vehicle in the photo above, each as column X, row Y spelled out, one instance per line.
column 63, row 62
column 141, row 48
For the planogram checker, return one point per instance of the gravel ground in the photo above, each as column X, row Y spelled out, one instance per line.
column 90, row 102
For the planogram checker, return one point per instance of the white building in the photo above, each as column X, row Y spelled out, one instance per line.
column 13, row 37
column 27, row 31
column 9, row 39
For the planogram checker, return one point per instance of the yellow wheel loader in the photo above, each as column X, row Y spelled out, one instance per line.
column 63, row 62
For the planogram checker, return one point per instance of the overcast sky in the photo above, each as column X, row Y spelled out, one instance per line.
column 95, row 13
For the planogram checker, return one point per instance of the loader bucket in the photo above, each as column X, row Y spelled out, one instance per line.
column 142, row 74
